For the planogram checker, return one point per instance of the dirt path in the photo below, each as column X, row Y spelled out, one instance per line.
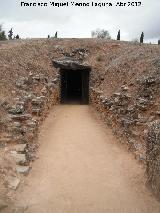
column 81, row 169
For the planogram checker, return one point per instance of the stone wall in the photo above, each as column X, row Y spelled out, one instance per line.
column 132, row 112
column 118, row 113
column 30, row 104
column 153, row 157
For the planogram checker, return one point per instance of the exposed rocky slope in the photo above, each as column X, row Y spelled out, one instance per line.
column 125, row 87
column 28, row 89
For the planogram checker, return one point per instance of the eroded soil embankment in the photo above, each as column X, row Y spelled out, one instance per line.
column 81, row 168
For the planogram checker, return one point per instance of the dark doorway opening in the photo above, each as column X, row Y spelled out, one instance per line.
column 75, row 86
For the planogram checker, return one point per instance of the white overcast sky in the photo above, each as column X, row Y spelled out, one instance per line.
column 79, row 22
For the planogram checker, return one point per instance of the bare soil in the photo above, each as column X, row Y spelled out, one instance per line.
column 82, row 169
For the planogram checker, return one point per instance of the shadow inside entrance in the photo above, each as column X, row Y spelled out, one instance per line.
column 74, row 86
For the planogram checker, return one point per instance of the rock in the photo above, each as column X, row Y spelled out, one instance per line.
column 5, row 140
column 102, row 97
column 55, row 80
column 13, row 182
column 79, row 53
column 137, row 146
column 3, row 204
column 18, row 130
column 70, row 63
column 149, row 80
column 37, row 77
column 17, row 124
column 16, row 99
column 39, row 101
column 21, row 117
column 23, row 169
column 117, row 94
column 27, row 97
column 124, row 88
column 99, row 92
column 142, row 107
column 32, row 124
column 50, row 85
column 143, row 101
column 19, row 158
column 131, row 109
column 19, row 147
column 17, row 109
column 22, row 83
column 31, row 130
column 16, row 127
column 4, row 104
column 135, row 133
column 108, row 103
column 142, row 157
column 157, row 113
column 43, row 97
column 116, row 100
column 132, row 143
column 36, row 111
column 22, row 102
column 20, row 139
column 127, row 95
column 44, row 91
column 126, row 122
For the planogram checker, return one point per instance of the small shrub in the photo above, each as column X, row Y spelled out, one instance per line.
column 17, row 36
column 2, row 34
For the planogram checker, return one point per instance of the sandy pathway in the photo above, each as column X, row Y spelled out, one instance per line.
column 81, row 169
